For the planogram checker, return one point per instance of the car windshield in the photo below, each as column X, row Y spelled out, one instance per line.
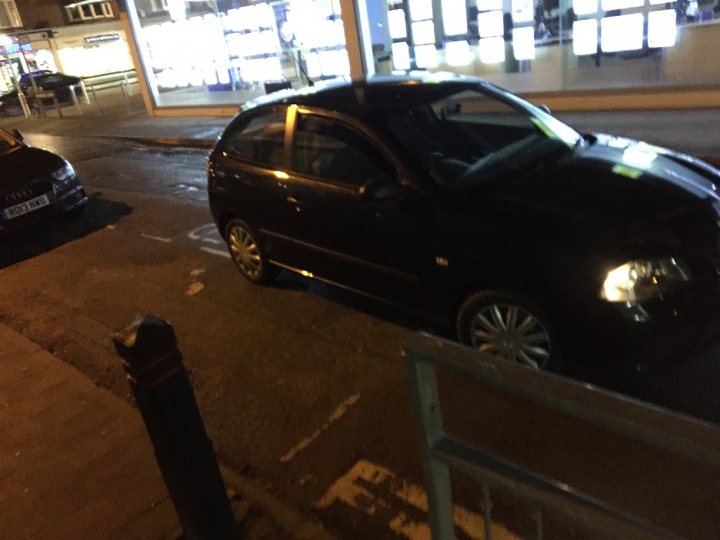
column 472, row 135
column 6, row 141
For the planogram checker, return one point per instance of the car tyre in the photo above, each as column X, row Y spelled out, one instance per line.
column 247, row 253
column 510, row 326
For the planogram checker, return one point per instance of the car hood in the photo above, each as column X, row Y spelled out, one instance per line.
column 625, row 189
column 24, row 163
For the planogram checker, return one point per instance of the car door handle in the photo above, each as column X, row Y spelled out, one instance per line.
column 293, row 200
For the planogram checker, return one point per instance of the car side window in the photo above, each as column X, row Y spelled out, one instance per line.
column 260, row 140
column 328, row 150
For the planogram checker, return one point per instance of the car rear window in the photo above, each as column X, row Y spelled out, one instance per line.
column 260, row 140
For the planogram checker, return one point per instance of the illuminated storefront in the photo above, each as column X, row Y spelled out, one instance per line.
column 215, row 52
column 553, row 45
column 83, row 51
column 224, row 52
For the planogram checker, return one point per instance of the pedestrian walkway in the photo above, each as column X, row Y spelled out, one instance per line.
column 76, row 462
column 693, row 131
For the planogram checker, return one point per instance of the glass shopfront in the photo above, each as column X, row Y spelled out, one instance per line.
column 552, row 45
column 224, row 52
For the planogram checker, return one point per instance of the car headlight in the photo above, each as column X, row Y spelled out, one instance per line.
column 640, row 280
column 64, row 173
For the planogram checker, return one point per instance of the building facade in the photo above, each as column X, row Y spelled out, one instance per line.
column 199, row 54
column 82, row 38
column 207, row 56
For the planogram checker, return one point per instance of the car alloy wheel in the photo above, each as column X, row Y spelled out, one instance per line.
column 247, row 253
column 506, row 326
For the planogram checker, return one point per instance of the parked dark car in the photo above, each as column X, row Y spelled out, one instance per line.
column 457, row 198
column 35, row 184
column 59, row 83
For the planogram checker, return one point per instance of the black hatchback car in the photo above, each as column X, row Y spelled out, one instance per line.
column 455, row 197
column 35, row 184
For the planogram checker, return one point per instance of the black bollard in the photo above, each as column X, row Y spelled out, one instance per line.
column 183, row 450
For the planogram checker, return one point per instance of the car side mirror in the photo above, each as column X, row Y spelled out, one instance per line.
column 382, row 188
column 16, row 133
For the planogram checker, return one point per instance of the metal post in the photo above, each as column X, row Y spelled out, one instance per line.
column 125, row 95
column 183, row 450
column 487, row 511
column 437, row 474
column 538, row 518
column 24, row 104
column 84, row 93
column 92, row 90
column 75, row 99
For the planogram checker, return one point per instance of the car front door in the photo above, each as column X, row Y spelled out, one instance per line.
column 351, row 233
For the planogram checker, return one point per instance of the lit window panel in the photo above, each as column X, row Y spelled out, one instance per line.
column 396, row 22
column 585, row 37
column 454, row 14
column 491, row 50
column 621, row 33
column 457, row 53
column 423, row 32
column 522, row 11
column 312, row 62
column 426, row 56
column 401, row 55
column 490, row 24
column 489, row 5
column 421, row 10
column 608, row 5
column 524, row 43
column 656, row 2
column 585, row 7
column 662, row 28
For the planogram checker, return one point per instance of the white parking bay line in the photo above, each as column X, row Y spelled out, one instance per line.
column 334, row 417
column 219, row 252
column 368, row 487
column 212, row 240
column 158, row 238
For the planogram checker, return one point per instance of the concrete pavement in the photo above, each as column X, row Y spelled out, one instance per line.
column 76, row 462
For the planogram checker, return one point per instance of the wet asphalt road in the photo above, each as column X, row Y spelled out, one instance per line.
column 300, row 384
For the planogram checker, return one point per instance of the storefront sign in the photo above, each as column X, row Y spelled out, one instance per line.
column 102, row 38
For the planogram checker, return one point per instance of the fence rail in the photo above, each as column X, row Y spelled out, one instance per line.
column 611, row 413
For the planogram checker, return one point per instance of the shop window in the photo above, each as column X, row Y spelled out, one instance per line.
column 9, row 16
column 89, row 11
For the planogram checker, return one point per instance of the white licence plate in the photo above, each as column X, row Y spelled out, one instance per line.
column 26, row 207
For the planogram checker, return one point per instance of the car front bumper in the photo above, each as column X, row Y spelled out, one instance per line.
column 664, row 331
column 66, row 198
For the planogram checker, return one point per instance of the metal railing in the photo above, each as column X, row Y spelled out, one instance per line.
column 616, row 415
column 119, row 79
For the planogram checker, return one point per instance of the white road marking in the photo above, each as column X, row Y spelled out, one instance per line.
column 212, row 240
column 194, row 288
column 363, row 486
column 334, row 417
column 201, row 231
column 219, row 252
column 158, row 238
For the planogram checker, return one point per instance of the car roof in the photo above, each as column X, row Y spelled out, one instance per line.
column 381, row 91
